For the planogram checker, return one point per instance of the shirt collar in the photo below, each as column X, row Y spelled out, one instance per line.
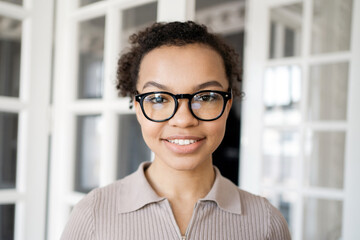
column 225, row 193
column 134, row 192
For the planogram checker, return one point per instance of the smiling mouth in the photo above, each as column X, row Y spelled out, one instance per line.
column 182, row 142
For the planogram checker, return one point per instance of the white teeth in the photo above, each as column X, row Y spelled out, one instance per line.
column 182, row 141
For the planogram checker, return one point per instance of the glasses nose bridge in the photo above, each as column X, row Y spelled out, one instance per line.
column 183, row 96
column 186, row 109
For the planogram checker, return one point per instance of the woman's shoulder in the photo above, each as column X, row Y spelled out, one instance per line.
column 258, row 207
column 107, row 190
column 105, row 193
column 97, row 195
column 111, row 189
column 94, row 207
column 252, row 200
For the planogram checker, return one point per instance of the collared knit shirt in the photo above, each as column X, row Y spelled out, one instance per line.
column 129, row 209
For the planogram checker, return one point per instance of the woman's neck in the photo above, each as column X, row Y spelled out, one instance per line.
column 180, row 185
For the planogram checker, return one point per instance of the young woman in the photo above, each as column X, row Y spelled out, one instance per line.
column 181, row 79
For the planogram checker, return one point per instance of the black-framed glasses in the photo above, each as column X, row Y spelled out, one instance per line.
column 206, row 105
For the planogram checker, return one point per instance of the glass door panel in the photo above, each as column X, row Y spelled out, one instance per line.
column 8, row 149
column 331, row 26
column 281, row 153
column 204, row 4
column 285, row 31
column 132, row 150
column 17, row 2
column 282, row 95
column 10, row 55
column 7, row 221
column 83, row 3
column 324, row 157
column 322, row 219
column 91, row 58
column 328, row 88
column 87, row 153
column 136, row 18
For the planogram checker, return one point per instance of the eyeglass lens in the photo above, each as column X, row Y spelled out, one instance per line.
column 205, row 105
column 159, row 106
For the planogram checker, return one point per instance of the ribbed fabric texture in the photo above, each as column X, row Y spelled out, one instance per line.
column 97, row 217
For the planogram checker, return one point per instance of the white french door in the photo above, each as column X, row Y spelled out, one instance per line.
column 25, row 78
column 301, row 117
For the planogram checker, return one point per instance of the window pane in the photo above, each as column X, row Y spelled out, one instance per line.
column 285, row 31
column 132, row 149
column 17, row 2
column 8, row 149
column 225, row 17
column 325, row 153
column 91, row 58
column 87, row 2
column 134, row 19
column 203, row 4
column 87, row 153
column 322, row 219
column 7, row 221
column 282, row 95
column 331, row 26
column 281, row 151
column 328, row 92
column 10, row 55
column 286, row 203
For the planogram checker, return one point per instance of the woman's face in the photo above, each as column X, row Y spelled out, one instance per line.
column 182, row 70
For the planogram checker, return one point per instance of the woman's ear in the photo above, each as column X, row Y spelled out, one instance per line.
column 228, row 106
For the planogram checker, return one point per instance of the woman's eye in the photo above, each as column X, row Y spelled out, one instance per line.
column 157, row 99
column 206, row 98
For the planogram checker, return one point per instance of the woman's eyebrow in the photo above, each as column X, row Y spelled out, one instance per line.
column 155, row 84
column 208, row 84
column 199, row 87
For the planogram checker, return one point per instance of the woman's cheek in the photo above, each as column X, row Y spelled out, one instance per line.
column 217, row 131
column 151, row 132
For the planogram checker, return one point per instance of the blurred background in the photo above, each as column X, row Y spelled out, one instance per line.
column 293, row 137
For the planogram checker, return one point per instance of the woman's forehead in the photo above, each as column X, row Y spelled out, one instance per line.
column 193, row 64
column 191, row 47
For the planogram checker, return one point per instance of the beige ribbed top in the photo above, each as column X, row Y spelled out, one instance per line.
column 130, row 209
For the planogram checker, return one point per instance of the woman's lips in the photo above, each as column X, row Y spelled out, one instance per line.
column 183, row 144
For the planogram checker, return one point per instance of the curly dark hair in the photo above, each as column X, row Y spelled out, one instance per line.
column 172, row 34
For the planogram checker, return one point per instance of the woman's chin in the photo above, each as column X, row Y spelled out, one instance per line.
column 184, row 163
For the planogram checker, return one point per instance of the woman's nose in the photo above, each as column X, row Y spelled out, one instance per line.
column 183, row 116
